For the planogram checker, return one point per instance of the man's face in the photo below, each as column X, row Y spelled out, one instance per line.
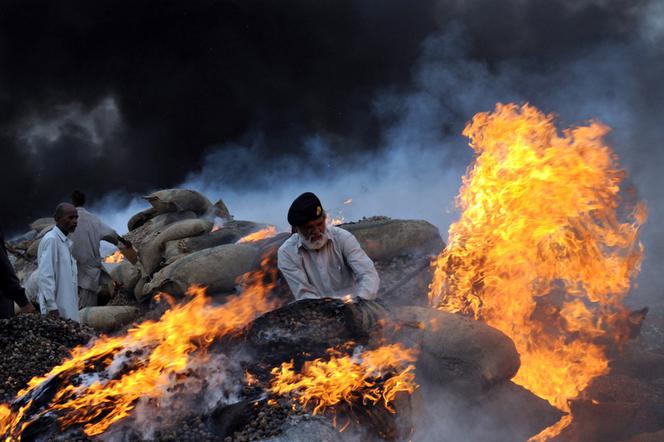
column 68, row 221
column 313, row 230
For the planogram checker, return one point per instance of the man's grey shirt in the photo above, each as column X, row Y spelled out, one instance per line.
column 86, row 238
column 337, row 269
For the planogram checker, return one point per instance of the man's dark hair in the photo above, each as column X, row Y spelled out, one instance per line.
column 78, row 198
column 60, row 210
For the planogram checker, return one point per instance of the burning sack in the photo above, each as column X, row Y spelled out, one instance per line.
column 178, row 200
column 385, row 239
column 216, row 268
column 125, row 275
column 456, row 350
column 228, row 233
column 150, row 254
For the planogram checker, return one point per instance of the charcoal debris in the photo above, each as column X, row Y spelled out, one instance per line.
column 33, row 344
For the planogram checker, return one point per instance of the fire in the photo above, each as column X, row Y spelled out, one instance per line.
column 335, row 221
column 113, row 373
column 369, row 377
column 267, row 232
column 545, row 249
column 115, row 258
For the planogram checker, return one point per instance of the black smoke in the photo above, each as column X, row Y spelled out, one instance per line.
column 128, row 96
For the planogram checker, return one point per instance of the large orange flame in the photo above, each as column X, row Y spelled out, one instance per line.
column 545, row 249
column 267, row 232
column 159, row 351
column 350, row 379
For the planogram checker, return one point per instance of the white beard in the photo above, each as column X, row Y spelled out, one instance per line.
column 314, row 245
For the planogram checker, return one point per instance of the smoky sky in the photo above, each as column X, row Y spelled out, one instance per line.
column 124, row 97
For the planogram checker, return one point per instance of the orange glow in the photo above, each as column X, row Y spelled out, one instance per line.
column 250, row 379
column 350, row 379
column 158, row 351
column 542, row 215
column 115, row 258
column 267, row 232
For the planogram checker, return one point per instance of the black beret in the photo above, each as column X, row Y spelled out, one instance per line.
column 305, row 208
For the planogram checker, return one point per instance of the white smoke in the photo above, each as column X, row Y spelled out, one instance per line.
column 210, row 381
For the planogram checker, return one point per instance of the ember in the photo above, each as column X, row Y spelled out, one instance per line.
column 367, row 377
column 540, row 251
column 267, row 232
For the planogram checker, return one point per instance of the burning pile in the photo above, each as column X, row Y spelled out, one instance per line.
column 143, row 364
column 160, row 363
column 351, row 379
column 546, row 248
column 544, row 253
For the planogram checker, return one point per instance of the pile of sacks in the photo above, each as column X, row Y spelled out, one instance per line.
column 184, row 239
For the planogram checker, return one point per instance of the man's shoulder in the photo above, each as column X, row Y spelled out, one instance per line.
column 50, row 240
column 50, row 236
column 289, row 246
column 84, row 215
column 339, row 234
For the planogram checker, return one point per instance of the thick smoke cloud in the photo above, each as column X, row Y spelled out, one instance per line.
column 185, row 77
column 255, row 102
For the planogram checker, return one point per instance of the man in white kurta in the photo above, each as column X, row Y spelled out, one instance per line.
column 57, row 267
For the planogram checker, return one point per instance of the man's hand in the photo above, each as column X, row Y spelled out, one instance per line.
column 124, row 241
column 28, row 308
column 54, row 313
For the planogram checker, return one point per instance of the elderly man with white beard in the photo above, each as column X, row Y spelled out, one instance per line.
column 320, row 261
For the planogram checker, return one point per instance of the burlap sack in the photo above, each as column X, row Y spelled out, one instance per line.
column 456, row 350
column 125, row 275
column 141, row 218
column 178, row 200
column 228, row 233
column 388, row 238
column 41, row 223
column 216, row 268
column 150, row 254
